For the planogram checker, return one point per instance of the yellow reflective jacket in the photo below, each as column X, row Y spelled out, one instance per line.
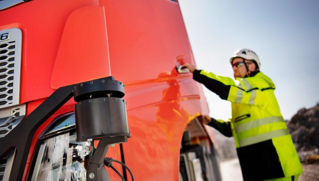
column 264, row 146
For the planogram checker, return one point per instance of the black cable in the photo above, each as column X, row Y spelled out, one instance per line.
column 108, row 163
column 123, row 179
column 125, row 167
column 123, row 161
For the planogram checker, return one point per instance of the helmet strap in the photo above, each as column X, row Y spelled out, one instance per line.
column 248, row 72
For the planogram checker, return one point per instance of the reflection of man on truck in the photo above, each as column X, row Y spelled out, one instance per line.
column 264, row 145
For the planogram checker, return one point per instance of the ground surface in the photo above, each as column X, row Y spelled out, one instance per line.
column 231, row 170
column 310, row 172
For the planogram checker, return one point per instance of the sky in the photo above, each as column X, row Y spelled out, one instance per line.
column 284, row 34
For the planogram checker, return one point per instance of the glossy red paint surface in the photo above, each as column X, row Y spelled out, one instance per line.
column 84, row 41
column 157, row 128
column 42, row 24
column 145, row 41
column 145, row 38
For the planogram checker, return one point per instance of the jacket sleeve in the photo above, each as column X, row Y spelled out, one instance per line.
column 227, row 89
column 223, row 127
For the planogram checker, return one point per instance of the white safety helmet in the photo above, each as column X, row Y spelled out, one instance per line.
column 246, row 54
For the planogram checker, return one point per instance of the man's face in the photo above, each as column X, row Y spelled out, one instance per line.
column 239, row 68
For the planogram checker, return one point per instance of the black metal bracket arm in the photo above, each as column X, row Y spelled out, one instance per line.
column 100, row 114
column 96, row 170
column 20, row 137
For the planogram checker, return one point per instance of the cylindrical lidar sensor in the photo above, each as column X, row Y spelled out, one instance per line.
column 101, row 117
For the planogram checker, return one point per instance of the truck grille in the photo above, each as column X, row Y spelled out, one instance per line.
column 3, row 163
column 10, row 67
column 6, row 166
column 10, row 118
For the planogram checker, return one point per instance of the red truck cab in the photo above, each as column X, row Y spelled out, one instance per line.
column 46, row 45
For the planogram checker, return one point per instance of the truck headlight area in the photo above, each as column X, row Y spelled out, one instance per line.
column 59, row 156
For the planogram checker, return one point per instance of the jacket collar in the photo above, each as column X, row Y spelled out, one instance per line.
column 252, row 74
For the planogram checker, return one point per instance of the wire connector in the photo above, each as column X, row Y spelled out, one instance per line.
column 108, row 163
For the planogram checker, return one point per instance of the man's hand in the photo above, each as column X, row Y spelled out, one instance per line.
column 190, row 67
column 206, row 119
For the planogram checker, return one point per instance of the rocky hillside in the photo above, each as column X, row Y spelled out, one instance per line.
column 304, row 129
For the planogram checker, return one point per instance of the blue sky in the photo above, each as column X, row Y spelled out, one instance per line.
column 284, row 34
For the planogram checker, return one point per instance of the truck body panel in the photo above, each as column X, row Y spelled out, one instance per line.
column 139, row 43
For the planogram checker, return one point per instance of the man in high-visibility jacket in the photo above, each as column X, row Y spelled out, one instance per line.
column 264, row 146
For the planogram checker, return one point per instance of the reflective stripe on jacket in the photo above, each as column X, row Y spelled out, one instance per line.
column 264, row 145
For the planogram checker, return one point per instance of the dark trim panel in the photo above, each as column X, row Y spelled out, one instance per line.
column 21, row 137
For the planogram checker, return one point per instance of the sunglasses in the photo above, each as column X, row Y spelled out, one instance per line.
column 238, row 64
